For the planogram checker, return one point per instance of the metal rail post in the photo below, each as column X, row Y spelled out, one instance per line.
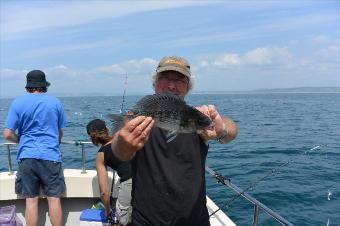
column 256, row 215
column 10, row 168
column 83, row 157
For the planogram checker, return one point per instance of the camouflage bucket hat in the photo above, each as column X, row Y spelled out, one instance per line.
column 174, row 63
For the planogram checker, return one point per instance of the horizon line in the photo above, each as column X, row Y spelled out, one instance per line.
column 306, row 89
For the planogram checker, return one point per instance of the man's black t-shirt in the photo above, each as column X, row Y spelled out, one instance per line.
column 169, row 181
column 123, row 168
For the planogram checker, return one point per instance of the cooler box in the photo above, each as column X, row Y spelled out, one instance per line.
column 92, row 217
column 8, row 216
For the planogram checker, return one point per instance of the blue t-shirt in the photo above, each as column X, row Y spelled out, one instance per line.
column 37, row 117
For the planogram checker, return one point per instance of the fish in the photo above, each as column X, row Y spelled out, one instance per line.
column 169, row 111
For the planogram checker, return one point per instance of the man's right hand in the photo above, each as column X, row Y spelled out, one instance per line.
column 132, row 137
column 10, row 135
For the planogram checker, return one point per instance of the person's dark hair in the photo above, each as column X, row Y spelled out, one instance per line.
column 100, row 137
column 98, row 132
column 39, row 89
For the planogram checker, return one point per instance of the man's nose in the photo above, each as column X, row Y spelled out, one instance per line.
column 171, row 85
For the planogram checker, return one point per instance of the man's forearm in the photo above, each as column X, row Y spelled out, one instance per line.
column 60, row 135
column 121, row 153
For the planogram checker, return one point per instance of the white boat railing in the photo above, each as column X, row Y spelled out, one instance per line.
column 77, row 143
column 257, row 204
column 9, row 160
column 83, row 152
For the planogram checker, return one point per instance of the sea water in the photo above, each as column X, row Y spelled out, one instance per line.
column 302, row 130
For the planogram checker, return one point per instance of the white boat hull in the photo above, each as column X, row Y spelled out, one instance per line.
column 81, row 192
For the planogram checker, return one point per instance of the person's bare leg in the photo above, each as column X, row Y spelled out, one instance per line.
column 31, row 211
column 55, row 211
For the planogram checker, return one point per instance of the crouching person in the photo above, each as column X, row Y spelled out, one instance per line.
column 99, row 135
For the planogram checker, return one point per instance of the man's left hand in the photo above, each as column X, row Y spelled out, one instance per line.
column 215, row 117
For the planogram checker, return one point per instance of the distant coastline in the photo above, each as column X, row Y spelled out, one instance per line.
column 279, row 90
column 198, row 92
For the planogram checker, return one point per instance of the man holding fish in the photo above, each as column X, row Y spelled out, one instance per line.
column 167, row 142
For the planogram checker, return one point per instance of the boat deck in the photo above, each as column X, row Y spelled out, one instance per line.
column 81, row 192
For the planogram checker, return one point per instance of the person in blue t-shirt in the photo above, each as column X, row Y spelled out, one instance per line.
column 35, row 121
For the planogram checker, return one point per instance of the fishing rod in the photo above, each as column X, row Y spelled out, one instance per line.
column 123, row 97
column 227, row 182
column 116, row 124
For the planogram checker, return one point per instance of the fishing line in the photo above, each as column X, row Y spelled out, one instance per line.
column 227, row 182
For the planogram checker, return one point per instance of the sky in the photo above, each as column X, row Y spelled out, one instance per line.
column 87, row 47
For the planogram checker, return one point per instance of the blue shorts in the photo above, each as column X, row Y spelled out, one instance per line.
column 34, row 174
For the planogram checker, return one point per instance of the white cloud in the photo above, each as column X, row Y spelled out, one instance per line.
column 75, row 81
column 61, row 66
column 112, row 69
column 235, row 71
column 7, row 73
column 227, row 59
column 325, row 60
column 262, row 56
column 334, row 50
column 320, row 39
column 204, row 64
column 134, row 66
column 131, row 67
column 145, row 64
column 258, row 56
column 268, row 56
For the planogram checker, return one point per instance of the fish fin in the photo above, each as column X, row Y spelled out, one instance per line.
column 118, row 121
column 115, row 117
column 151, row 100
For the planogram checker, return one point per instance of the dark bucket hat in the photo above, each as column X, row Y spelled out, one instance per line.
column 36, row 79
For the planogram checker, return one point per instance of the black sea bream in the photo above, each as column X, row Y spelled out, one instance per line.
column 169, row 111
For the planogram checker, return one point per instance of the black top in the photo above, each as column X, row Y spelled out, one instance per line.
column 169, row 181
column 123, row 168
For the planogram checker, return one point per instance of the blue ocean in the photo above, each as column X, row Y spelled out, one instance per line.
column 292, row 138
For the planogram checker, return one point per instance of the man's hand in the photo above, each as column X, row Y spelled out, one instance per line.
column 132, row 137
column 10, row 135
column 217, row 129
column 224, row 128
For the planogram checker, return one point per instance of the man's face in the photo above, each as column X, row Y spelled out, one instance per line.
column 172, row 81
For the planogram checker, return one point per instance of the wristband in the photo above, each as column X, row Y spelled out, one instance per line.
column 223, row 135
